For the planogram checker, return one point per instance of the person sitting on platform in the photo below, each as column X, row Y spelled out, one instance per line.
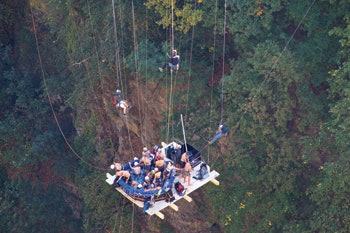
column 221, row 132
column 159, row 154
column 116, row 166
column 157, row 181
column 145, row 161
column 147, row 183
column 123, row 174
column 136, row 169
column 160, row 164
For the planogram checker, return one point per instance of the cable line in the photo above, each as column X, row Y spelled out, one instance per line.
column 278, row 58
column 117, row 53
column 223, row 63
column 49, row 97
column 266, row 76
column 212, row 73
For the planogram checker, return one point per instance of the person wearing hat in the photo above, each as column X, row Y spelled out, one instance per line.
column 147, row 183
column 116, row 166
column 136, row 169
column 146, row 161
column 221, row 132
column 119, row 102
column 173, row 63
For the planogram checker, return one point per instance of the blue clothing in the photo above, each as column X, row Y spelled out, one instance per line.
column 221, row 132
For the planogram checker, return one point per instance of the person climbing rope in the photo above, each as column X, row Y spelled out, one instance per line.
column 221, row 132
column 119, row 102
column 173, row 63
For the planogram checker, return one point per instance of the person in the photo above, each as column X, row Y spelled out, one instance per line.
column 117, row 166
column 187, row 173
column 221, row 132
column 173, row 63
column 160, row 163
column 159, row 154
column 157, row 181
column 124, row 174
column 119, row 102
column 177, row 156
column 136, row 169
column 184, row 159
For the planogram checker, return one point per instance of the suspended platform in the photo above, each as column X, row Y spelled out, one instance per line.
column 160, row 203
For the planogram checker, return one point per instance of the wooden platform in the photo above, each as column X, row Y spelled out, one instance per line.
column 160, row 205
column 195, row 184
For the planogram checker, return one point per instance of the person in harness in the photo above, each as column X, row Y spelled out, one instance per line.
column 173, row 63
column 119, row 102
column 221, row 132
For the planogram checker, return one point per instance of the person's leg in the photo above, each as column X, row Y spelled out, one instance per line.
column 163, row 67
column 124, row 108
column 217, row 136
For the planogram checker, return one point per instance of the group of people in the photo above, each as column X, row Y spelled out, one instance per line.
column 151, row 171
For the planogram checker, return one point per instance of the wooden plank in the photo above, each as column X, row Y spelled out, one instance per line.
column 160, row 205
column 187, row 198
column 138, row 203
column 160, row 215
column 175, row 207
column 215, row 181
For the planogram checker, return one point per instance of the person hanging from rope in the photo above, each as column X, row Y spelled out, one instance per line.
column 221, row 132
column 173, row 63
column 119, row 102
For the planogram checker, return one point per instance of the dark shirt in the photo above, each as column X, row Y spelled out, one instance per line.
column 175, row 60
column 118, row 97
column 224, row 129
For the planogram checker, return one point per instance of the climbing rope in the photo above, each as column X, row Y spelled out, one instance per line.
column 117, row 52
column 278, row 58
column 50, row 100
column 223, row 63
column 212, row 74
column 273, row 66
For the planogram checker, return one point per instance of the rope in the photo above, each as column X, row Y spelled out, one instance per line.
column 277, row 60
column 116, row 47
column 272, row 68
column 170, row 103
column 121, row 216
column 223, row 63
column 132, row 218
column 144, row 129
column 49, row 97
column 122, row 68
column 95, row 46
column 170, row 106
column 172, row 24
column 190, row 69
column 212, row 74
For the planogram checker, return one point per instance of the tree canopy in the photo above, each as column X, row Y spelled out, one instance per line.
column 276, row 72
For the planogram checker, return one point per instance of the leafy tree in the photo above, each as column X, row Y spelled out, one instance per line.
column 178, row 14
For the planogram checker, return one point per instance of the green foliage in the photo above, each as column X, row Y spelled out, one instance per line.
column 284, row 167
column 29, row 208
column 181, row 16
column 330, row 195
